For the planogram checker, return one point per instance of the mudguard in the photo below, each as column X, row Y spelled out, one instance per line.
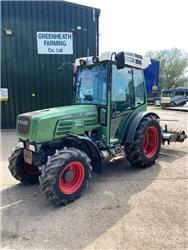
column 90, row 149
column 134, row 123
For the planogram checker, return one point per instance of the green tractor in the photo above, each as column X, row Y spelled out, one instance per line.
column 61, row 146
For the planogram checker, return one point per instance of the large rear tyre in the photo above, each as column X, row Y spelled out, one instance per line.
column 144, row 150
column 25, row 173
column 65, row 175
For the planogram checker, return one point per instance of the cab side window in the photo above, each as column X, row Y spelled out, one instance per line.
column 121, row 84
column 139, row 86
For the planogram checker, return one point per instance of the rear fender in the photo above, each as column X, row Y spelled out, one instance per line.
column 134, row 123
column 84, row 143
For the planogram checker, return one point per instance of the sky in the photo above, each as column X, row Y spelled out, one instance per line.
column 141, row 25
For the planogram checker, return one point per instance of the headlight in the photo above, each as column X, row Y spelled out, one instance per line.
column 31, row 147
column 20, row 144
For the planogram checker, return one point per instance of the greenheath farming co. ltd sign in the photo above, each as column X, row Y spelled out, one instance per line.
column 55, row 43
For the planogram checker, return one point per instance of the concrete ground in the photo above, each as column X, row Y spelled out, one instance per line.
column 124, row 208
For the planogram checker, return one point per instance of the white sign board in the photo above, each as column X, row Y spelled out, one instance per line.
column 55, row 43
column 3, row 94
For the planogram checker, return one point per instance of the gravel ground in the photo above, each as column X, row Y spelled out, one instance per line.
column 124, row 208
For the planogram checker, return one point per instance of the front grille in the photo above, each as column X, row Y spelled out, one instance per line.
column 23, row 124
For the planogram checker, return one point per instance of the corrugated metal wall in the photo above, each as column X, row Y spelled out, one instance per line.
column 33, row 80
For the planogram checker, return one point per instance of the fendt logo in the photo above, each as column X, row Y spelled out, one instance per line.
column 23, row 122
column 23, row 125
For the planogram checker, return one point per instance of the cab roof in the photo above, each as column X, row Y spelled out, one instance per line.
column 131, row 59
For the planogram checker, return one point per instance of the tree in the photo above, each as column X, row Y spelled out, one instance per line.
column 173, row 67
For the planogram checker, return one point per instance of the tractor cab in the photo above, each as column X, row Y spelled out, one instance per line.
column 114, row 82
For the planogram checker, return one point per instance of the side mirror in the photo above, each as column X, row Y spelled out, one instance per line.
column 120, row 60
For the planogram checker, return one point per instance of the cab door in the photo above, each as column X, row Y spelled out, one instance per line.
column 122, row 101
column 128, row 95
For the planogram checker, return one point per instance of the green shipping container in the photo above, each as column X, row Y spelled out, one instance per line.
column 39, row 41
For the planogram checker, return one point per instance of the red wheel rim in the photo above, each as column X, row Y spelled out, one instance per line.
column 151, row 141
column 71, row 177
column 30, row 170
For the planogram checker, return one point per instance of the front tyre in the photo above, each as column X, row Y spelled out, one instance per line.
column 25, row 173
column 144, row 150
column 65, row 175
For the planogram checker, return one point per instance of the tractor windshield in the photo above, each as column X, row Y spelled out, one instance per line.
column 91, row 84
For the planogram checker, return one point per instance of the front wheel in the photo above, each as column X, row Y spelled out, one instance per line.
column 65, row 175
column 144, row 150
column 20, row 170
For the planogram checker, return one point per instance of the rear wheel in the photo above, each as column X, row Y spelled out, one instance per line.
column 65, row 175
column 20, row 170
column 144, row 150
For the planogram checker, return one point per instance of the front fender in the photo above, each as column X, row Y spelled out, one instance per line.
column 134, row 123
column 90, row 148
